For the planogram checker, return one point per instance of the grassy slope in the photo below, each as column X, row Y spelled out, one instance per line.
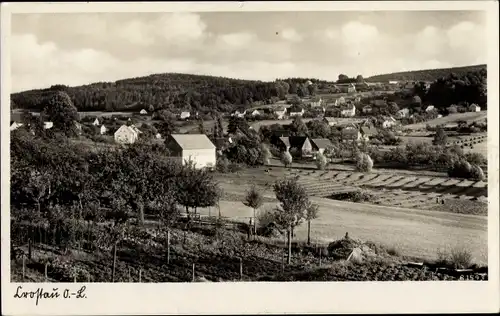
column 416, row 232
column 468, row 116
column 424, row 75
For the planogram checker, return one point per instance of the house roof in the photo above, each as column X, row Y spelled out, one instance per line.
column 350, row 132
column 285, row 141
column 295, row 109
column 297, row 141
column 330, row 119
column 193, row 141
column 321, row 142
column 368, row 130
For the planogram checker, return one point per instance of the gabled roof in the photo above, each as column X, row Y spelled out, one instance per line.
column 295, row 109
column 285, row 141
column 321, row 142
column 193, row 141
column 370, row 131
column 330, row 119
column 297, row 141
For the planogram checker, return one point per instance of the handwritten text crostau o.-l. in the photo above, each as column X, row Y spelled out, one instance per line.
column 52, row 293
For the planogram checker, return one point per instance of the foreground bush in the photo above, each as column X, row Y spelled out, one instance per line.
column 364, row 163
column 463, row 169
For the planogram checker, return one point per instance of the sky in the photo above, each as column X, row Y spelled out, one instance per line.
column 81, row 48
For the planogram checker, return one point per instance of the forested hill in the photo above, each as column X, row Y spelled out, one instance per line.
column 169, row 91
column 425, row 75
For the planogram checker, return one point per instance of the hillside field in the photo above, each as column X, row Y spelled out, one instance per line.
column 452, row 118
column 424, row 75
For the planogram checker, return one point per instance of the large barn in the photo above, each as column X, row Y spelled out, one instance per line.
column 195, row 147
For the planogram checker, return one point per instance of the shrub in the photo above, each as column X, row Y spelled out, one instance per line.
column 354, row 196
column 222, row 164
column 460, row 258
column 476, row 158
column 364, row 163
column 476, row 173
column 320, row 161
column 286, row 158
column 460, row 169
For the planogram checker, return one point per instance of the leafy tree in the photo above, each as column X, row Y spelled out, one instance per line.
column 364, row 163
column 62, row 113
column 201, row 127
column 318, row 128
column 320, row 161
column 298, row 127
column 196, row 188
column 359, row 79
column 312, row 89
column 343, row 77
column 311, row 214
column 293, row 204
column 286, row 159
column 166, row 126
column 254, row 199
column 440, row 137
column 266, row 154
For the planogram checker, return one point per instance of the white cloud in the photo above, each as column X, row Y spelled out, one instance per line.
column 291, row 35
column 235, row 40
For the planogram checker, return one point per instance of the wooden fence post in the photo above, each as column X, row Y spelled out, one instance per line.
column 29, row 248
column 114, row 262
column 168, row 246
column 320, row 255
column 46, row 276
column 193, row 273
column 24, row 267
column 74, row 278
column 140, row 275
column 241, row 268
column 129, row 276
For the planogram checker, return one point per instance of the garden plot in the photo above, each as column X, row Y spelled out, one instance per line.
column 341, row 176
column 402, row 182
column 416, row 183
column 450, row 182
column 435, row 182
column 380, row 178
column 476, row 192
column 354, row 178
column 480, row 184
column 387, row 181
column 366, row 178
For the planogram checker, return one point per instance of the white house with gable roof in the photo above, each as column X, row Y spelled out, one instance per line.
column 126, row 135
column 195, row 147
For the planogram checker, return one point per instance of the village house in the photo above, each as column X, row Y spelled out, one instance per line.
column 393, row 82
column 295, row 110
column 348, row 111
column 255, row 113
column 103, row 129
column 474, row 108
column 368, row 132
column 126, row 135
column 299, row 146
column 96, row 122
column 367, row 109
column 78, row 127
column 350, row 133
column 15, row 125
column 403, row 113
column 357, row 100
column 158, row 136
column 192, row 147
column 331, row 121
column 339, row 101
column 429, row 108
column 143, row 112
column 388, row 122
column 185, row 115
column 280, row 113
column 320, row 145
column 316, row 102
column 239, row 113
column 48, row 125
column 351, row 88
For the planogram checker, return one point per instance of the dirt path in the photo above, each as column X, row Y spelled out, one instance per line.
column 414, row 232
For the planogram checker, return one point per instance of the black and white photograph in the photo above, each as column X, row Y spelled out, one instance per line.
column 239, row 146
